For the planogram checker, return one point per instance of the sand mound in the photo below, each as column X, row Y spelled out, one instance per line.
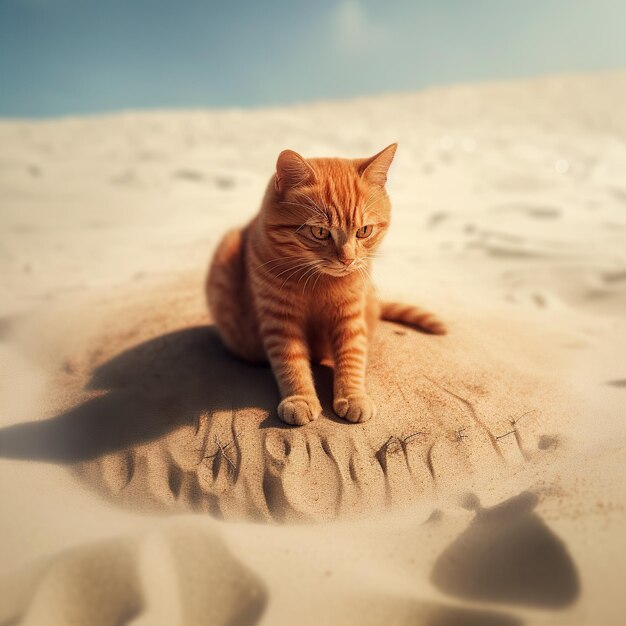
column 159, row 416
column 160, row 576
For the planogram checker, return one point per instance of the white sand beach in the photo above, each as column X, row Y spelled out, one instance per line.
column 145, row 478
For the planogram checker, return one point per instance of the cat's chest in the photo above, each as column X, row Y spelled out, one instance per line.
column 326, row 309
column 316, row 316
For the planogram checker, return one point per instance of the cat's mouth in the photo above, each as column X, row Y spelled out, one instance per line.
column 336, row 271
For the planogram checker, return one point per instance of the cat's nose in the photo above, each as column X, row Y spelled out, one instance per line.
column 346, row 254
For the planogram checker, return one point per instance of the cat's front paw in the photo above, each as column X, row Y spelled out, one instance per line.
column 357, row 407
column 299, row 410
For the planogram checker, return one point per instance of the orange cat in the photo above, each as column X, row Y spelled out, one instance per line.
column 294, row 286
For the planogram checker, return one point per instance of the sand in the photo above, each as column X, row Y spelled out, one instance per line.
column 144, row 476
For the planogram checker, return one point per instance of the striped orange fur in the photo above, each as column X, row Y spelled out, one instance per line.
column 412, row 316
column 293, row 286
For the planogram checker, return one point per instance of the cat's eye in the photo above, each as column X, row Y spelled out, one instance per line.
column 319, row 232
column 364, row 231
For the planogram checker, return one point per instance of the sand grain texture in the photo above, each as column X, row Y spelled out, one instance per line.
column 144, row 476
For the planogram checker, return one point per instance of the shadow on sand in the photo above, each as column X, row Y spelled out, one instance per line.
column 508, row 555
column 147, row 391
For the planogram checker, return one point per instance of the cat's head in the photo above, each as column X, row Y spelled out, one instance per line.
column 331, row 212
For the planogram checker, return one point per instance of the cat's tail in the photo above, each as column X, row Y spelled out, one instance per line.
column 412, row 316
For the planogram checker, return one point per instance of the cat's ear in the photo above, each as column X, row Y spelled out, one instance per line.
column 375, row 169
column 292, row 170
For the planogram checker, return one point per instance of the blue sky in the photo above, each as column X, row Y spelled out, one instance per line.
column 62, row 57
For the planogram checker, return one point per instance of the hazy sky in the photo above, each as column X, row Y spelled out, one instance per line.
column 82, row 56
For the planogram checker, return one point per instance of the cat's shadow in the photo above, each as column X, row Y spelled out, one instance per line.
column 150, row 390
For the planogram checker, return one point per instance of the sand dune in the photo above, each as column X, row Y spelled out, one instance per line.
column 144, row 476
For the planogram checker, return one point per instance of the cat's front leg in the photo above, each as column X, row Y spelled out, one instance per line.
column 288, row 354
column 349, row 344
